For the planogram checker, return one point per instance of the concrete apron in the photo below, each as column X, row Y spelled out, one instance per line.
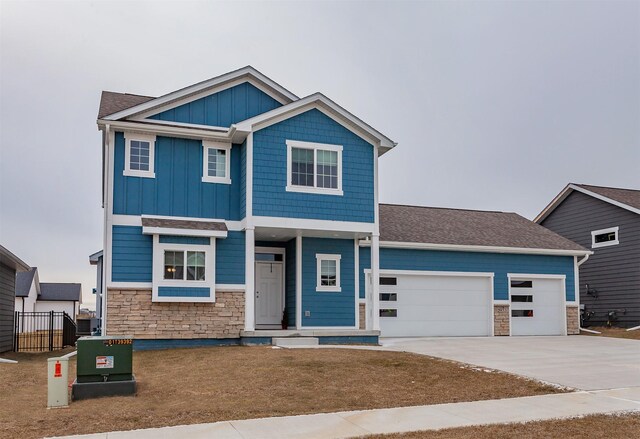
column 401, row 419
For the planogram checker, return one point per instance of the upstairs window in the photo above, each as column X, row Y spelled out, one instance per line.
column 216, row 161
column 314, row 168
column 139, row 155
column 328, row 273
column 605, row 237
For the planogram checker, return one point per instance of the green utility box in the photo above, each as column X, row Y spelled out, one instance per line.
column 104, row 359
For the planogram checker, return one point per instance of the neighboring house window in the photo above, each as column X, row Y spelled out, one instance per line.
column 604, row 237
column 328, row 273
column 314, row 167
column 216, row 162
column 139, row 155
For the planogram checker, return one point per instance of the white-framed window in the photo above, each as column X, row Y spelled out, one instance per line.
column 328, row 273
column 185, row 269
column 605, row 237
column 216, row 162
column 139, row 155
column 314, row 167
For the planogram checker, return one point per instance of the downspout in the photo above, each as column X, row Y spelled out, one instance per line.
column 579, row 263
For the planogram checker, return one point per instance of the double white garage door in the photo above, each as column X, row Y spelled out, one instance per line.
column 462, row 305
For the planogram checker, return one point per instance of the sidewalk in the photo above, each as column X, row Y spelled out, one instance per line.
column 402, row 419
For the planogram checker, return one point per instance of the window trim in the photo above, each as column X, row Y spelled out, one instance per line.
column 158, row 279
column 594, row 233
column 315, row 147
column 325, row 257
column 206, row 178
column 128, row 137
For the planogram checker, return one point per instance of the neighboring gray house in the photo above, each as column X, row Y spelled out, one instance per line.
column 35, row 296
column 607, row 221
column 9, row 265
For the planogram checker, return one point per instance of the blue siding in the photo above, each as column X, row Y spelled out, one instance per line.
column 230, row 259
column 132, row 255
column 270, row 172
column 328, row 308
column 141, row 344
column 177, row 189
column 498, row 263
column 223, row 108
column 194, row 240
column 184, row 292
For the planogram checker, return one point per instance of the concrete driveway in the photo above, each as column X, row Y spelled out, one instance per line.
column 580, row 362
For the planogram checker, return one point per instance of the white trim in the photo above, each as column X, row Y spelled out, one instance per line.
column 375, row 282
column 298, row 281
column 109, row 169
column 315, row 147
column 158, row 279
column 249, row 179
column 223, row 146
column 325, row 257
column 435, row 273
column 567, row 191
column 231, row 288
column 132, row 285
column 136, row 220
column 171, row 131
column 501, row 302
column 183, row 232
column 326, row 106
column 563, row 291
column 208, row 87
column 130, row 136
column 616, row 241
column 250, row 281
column 477, row 248
column 312, row 224
column 356, row 270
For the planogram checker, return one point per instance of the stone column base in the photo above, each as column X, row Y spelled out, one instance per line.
column 501, row 319
column 573, row 320
column 363, row 315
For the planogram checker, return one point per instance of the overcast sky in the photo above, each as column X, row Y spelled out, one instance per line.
column 494, row 105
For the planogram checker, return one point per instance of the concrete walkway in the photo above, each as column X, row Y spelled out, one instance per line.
column 402, row 419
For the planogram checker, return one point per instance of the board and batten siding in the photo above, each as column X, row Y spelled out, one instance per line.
column 498, row 263
column 7, row 303
column 613, row 271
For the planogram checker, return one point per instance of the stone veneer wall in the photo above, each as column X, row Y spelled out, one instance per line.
column 501, row 319
column 573, row 320
column 131, row 312
column 362, row 309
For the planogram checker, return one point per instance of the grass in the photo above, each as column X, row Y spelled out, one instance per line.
column 186, row 386
column 613, row 332
column 596, row 426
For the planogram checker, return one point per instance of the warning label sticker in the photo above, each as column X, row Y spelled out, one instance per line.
column 104, row 362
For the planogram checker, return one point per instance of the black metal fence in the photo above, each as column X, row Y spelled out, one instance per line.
column 43, row 331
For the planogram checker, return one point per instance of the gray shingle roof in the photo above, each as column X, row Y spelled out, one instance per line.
column 434, row 225
column 24, row 279
column 630, row 197
column 112, row 102
column 59, row 291
column 184, row 224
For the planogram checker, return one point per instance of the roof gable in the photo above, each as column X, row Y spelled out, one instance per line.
column 24, row 280
column 200, row 90
column 628, row 199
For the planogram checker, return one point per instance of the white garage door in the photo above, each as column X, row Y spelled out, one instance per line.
column 434, row 305
column 537, row 306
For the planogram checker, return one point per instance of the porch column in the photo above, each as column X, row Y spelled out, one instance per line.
column 375, row 282
column 249, row 281
column 299, row 281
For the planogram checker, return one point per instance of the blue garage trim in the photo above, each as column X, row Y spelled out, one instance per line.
column 328, row 308
column 174, row 343
column 184, row 292
column 498, row 263
column 194, row 240
column 132, row 254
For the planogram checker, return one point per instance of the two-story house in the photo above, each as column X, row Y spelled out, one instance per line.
column 606, row 220
column 234, row 209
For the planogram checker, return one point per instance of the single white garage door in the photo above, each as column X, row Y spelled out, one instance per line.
column 435, row 305
column 537, row 306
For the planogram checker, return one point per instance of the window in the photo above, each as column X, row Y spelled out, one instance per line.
column 604, row 237
column 314, row 168
column 174, row 265
column 139, row 155
column 388, row 281
column 389, row 312
column 328, row 273
column 521, row 284
column 216, row 162
column 522, row 298
column 521, row 313
column 388, row 297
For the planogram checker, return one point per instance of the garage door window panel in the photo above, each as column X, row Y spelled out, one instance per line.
column 388, row 312
column 388, row 297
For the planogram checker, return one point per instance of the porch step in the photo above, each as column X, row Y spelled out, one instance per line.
column 294, row 341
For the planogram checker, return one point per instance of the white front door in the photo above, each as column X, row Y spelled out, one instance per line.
column 269, row 292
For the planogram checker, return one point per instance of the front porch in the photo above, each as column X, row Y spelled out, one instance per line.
column 324, row 336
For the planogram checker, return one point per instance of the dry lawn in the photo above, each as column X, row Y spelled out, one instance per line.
column 597, row 426
column 614, row 332
column 186, row 386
